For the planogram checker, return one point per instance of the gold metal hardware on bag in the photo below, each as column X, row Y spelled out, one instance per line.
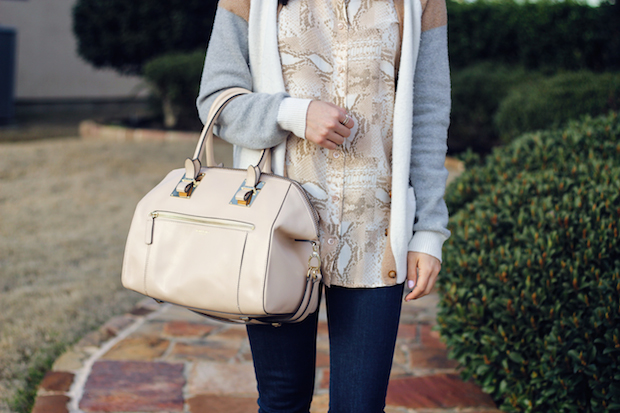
column 188, row 188
column 250, row 194
column 314, row 271
column 247, row 198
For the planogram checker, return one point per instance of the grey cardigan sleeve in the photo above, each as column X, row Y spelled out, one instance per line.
column 431, row 118
column 250, row 120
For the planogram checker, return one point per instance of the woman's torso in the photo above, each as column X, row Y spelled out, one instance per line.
column 345, row 52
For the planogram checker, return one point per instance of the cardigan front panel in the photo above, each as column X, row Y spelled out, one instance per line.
column 344, row 52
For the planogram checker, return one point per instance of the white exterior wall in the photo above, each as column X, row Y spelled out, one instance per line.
column 48, row 66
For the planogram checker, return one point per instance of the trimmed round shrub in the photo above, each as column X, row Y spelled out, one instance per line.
column 124, row 35
column 553, row 101
column 530, row 296
column 476, row 95
column 175, row 80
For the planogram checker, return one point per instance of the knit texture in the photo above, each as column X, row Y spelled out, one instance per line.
column 431, row 115
column 226, row 66
column 292, row 115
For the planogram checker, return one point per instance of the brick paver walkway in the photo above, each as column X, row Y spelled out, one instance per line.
column 161, row 358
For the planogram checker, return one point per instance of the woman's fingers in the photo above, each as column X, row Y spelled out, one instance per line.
column 336, row 137
column 422, row 270
column 347, row 121
column 342, row 130
column 421, row 284
column 326, row 143
column 327, row 125
column 326, row 138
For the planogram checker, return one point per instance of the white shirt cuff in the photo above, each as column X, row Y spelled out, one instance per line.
column 292, row 115
column 428, row 242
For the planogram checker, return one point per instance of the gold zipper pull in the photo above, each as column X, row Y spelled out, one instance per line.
column 150, row 223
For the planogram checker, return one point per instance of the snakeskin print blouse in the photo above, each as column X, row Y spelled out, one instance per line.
column 345, row 52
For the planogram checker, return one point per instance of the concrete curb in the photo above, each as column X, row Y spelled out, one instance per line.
column 62, row 387
column 81, row 376
column 90, row 129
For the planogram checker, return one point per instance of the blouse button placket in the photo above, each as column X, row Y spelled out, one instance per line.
column 340, row 51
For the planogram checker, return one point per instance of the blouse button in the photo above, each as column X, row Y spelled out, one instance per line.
column 335, row 198
column 341, row 26
column 332, row 241
column 392, row 274
column 336, row 154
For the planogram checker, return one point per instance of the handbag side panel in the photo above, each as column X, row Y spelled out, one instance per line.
column 136, row 249
column 294, row 231
column 261, row 246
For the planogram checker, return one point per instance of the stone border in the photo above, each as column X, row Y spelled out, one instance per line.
column 62, row 387
column 89, row 129
column 212, row 384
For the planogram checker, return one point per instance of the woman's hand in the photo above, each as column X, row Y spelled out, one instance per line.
column 422, row 271
column 327, row 125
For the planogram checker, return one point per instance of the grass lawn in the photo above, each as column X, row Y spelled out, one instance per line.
column 65, row 209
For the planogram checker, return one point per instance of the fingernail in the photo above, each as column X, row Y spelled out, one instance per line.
column 410, row 284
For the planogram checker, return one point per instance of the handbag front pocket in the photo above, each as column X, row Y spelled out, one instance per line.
column 185, row 259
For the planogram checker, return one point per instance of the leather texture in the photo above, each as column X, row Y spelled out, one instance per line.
column 233, row 244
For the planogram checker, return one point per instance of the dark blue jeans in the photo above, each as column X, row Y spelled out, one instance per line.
column 362, row 322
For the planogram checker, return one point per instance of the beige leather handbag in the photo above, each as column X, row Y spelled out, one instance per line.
column 228, row 243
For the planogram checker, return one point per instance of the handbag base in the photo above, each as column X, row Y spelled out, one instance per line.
column 308, row 305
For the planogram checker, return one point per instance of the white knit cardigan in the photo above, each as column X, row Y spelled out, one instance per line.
column 267, row 78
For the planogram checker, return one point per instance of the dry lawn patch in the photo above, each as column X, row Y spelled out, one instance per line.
column 65, row 209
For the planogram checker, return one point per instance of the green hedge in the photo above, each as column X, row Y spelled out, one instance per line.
column 530, row 297
column 553, row 101
column 175, row 81
column 477, row 92
column 549, row 35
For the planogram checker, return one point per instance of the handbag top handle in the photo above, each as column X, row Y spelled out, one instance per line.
column 205, row 145
column 206, row 136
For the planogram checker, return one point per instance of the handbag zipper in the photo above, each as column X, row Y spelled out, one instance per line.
column 213, row 222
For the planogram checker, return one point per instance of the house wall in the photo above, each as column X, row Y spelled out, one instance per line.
column 48, row 66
